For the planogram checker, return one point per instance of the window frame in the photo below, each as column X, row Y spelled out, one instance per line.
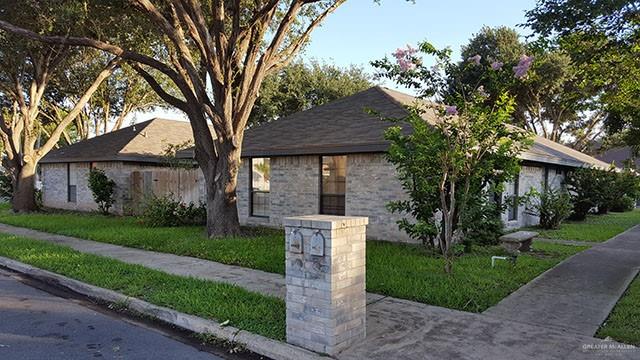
column 513, row 208
column 251, row 191
column 74, row 198
column 320, row 189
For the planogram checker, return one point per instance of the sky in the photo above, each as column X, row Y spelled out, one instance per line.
column 361, row 30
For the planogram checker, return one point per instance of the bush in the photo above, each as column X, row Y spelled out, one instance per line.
column 601, row 190
column 161, row 211
column 482, row 224
column 623, row 203
column 102, row 189
column 552, row 206
column 6, row 188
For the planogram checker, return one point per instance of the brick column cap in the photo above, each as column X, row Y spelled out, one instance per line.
column 325, row 221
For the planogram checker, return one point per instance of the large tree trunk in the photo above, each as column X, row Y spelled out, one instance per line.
column 24, row 199
column 221, row 176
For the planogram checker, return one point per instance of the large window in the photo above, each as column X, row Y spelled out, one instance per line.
column 260, row 176
column 72, row 182
column 513, row 207
column 333, row 174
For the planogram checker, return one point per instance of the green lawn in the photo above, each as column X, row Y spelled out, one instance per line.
column 595, row 228
column 404, row 271
column 623, row 323
column 245, row 310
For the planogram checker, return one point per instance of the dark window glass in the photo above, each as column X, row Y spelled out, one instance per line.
column 260, row 177
column 333, row 175
column 71, row 183
column 513, row 208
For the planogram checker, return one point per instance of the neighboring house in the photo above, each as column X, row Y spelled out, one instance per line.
column 620, row 157
column 329, row 159
column 133, row 157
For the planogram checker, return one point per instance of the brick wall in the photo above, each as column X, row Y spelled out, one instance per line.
column 294, row 189
column 54, row 183
column 530, row 177
column 295, row 185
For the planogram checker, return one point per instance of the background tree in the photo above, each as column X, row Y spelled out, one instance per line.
column 551, row 100
column 32, row 116
column 217, row 54
column 601, row 37
column 301, row 86
column 122, row 94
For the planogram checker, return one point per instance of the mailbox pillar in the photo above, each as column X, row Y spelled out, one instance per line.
column 325, row 275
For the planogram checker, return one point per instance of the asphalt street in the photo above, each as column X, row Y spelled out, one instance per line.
column 37, row 325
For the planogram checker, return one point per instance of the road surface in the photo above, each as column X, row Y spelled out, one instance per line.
column 35, row 324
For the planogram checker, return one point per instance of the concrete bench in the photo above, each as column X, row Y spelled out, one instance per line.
column 517, row 242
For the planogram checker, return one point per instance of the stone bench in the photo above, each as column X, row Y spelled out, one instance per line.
column 517, row 242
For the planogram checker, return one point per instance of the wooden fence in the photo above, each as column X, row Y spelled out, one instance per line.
column 181, row 184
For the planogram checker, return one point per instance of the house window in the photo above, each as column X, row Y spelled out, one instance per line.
column 72, row 178
column 558, row 171
column 260, row 176
column 513, row 207
column 333, row 173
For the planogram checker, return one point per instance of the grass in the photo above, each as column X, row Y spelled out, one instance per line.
column 404, row 271
column 253, row 312
column 255, row 250
column 596, row 228
column 623, row 323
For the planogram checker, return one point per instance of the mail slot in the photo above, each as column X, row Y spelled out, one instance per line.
column 295, row 242
column 317, row 244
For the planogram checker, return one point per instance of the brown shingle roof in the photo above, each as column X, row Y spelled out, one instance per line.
column 619, row 156
column 341, row 126
column 142, row 142
column 344, row 126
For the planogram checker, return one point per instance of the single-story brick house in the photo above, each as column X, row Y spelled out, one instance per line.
column 328, row 159
column 134, row 151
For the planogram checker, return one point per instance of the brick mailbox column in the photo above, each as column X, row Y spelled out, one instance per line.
column 325, row 274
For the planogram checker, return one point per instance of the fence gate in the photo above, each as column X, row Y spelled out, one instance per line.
column 181, row 184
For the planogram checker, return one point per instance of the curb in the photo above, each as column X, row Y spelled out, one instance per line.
column 255, row 343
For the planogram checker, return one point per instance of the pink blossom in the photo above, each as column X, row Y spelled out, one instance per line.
column 405, row 59
column 451, row 110
column 496, row 65
column 523, row 66
column 475, row 59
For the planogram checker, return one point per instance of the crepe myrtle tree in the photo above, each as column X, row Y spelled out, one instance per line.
column 458, row 145
column 216, row 53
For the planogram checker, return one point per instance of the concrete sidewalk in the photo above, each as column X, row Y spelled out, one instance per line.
column 395, row 328
column 577, row 295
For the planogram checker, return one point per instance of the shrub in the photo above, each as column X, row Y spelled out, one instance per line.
column 102, row 189
column 6, row 189
column 602, row 190
column 623, row 203
column 482, row 222
column 552, row 206
column 161, row 211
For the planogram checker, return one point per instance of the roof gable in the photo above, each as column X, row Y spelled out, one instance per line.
column 142, row 142
column 344, row 126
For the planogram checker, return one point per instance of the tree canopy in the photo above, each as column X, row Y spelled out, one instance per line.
column 601, row 37
column 300, row 86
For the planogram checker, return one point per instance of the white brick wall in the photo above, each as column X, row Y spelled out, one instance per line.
column 54, row 185
column 294, row 187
